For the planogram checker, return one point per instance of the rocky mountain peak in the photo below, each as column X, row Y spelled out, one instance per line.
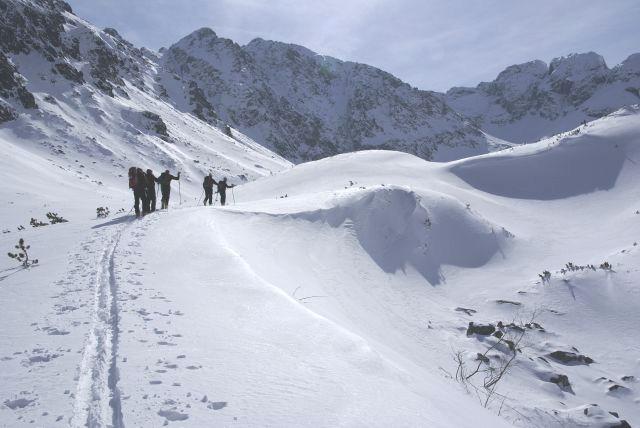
column 629, row 68
column 578, row 66
column 533, row 69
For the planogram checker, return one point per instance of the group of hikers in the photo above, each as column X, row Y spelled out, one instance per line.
column 221, row 185
column 144, row 189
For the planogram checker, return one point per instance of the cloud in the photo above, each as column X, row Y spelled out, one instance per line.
column 432, row 44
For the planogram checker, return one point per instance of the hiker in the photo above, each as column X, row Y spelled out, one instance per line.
column 207, row 184
column 222, row 189
column 137, row 183
column 151, row 181
column 165, row 187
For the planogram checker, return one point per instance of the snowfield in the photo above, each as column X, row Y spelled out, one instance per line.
column 334, row 293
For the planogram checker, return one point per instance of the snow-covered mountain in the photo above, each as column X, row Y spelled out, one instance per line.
column 84, row 100
column 532, row 100
column 307, row 106
column 349, row 291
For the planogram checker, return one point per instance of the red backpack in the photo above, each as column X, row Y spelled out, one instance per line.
column 132, row 177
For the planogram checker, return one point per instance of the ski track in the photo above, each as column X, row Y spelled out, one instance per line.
column 98, row 397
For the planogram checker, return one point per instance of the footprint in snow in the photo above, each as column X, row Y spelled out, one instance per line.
column 52, row 331
column 42, row 358
column 18, row 403
column 217, row 405
column 173, row 415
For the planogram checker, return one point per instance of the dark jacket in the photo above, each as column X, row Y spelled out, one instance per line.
column 141, row 181
column 222, row 186
column 207, row 184
column 165, row 180
column 151, row 182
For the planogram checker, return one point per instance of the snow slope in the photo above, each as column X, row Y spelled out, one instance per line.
column 92, row 113
column 336, row 294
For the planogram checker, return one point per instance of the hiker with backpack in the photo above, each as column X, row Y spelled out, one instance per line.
column 222, row 189
column 138, row 183
column 207, row 184
column 165, row 187
column 151, row 181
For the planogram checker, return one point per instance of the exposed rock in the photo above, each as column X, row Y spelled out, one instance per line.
column 508, row 302
column 69, row 72
column 156, row 123
column 12, row 85
column 570, row 358
column 480, row 329
column 483, row 358
column 618, row 389
column 6, row 112
column 562, row 381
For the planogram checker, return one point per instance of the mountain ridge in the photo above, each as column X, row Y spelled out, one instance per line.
column 298, row 103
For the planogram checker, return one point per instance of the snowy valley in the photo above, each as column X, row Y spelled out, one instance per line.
column 499, row 287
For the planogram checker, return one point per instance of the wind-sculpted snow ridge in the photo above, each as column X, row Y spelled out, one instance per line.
column 399, row 228
column 575, row 163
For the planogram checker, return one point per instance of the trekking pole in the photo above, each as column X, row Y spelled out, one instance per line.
column 179, row 191
column 234, row 196
column 201, row 194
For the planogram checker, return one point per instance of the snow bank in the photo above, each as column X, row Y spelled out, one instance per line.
column 572, row 164
column 398, row 227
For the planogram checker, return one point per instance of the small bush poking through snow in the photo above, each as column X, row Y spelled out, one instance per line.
column 22, row 255
column 606, row 266
column 545, row 276
column 37, row 223
column 55, row 218
column 488, row 368
column 102, row 212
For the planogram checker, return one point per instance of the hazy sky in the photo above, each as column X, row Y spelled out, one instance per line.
column 430, row 44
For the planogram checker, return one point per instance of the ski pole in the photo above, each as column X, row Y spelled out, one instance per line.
column 234, row 196
column 179, row 190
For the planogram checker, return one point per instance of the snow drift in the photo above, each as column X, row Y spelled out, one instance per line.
column 398, row 227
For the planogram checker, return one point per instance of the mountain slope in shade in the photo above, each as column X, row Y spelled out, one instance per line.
column 307, row 106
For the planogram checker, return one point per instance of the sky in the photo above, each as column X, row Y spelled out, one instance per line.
column 431, row 44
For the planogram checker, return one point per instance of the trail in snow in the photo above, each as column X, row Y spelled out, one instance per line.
column 98, row 398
